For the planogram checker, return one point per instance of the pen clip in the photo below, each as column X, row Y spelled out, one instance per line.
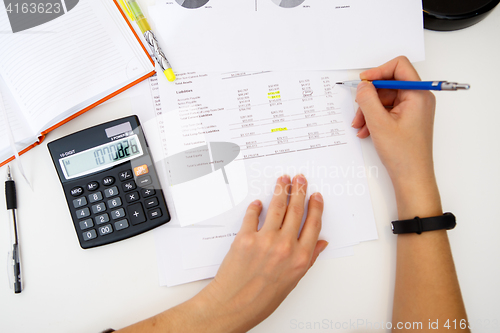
column 10, row 270
column 125, row 7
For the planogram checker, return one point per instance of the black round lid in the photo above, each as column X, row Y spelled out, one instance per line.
column 444, row 15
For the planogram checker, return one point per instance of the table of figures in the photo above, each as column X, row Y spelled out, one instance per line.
column 265, row 113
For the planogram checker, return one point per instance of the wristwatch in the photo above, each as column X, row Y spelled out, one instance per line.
column 446, row 221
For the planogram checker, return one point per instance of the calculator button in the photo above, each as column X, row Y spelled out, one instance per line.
column 153, row 202
column 81, row 213
column 131, row 197
column 105, row 229
column 114, row 202
column 124, row 175
column 103, row 218
column 144, row 181
column 79, row 202
column 122, row 224
column 88, row 235
column 76, row 191
column 147, row 192
column 94, row 197
column 85, row 224
column 107, row 181
column 92, row 186
column 141, row 170
column 129, row 186
column 101, row 207
column 136, row 213
column 154, row 213
column 116, row 214
column 110, row 192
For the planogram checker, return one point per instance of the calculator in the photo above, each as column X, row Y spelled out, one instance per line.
column 110, row 182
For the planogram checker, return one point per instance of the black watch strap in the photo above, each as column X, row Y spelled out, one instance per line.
column 417, row 225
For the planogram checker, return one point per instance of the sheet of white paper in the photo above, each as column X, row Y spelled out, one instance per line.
column 284, row 123
column 198, row 248
column 22, row 134
column 253, row 35
column 175, row 251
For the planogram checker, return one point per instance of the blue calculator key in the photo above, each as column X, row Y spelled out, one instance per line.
column 88, row 235
column 116, row 214
column 115, row 202
column 82, row 213
column 129, row 186
column 131, row 197
column 122, row 224
column 105, row 229
column 103, row 218
column 101, row 207
column 111, row 192
column 79, row 202
column 76, row 191
column 94, row 197
column 107, row 181
column 92, row 186
column 85, row 224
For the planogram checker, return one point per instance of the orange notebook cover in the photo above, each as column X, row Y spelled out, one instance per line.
column 44, row 132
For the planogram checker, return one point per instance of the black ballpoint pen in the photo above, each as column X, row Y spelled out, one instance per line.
column 10, row 197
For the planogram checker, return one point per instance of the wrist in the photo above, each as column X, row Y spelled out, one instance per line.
column 417, row 196
column 214, row 314
column 195, row 315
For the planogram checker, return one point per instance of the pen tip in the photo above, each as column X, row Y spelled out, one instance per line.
column 339, row 83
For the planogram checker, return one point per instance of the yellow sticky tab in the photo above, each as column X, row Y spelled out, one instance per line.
column 126, row 9
column 169, row 73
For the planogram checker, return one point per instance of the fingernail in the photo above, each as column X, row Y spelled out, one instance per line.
column 352, row 124
column 361, row 85
column 301, row 179
column 357, row 134
column 324, row 247
column 256, row 203
column 285, row 179
column 318, row 197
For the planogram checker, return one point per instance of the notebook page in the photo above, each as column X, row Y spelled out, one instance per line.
column 60, row 67
column 22, row 134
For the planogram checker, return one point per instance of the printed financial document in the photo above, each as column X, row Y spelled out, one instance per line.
column 228, row 136
column 228, row 35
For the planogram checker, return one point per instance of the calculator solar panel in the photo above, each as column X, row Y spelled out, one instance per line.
column 110, row 182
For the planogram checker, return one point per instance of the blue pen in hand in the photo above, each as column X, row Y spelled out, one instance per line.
column 411, row 85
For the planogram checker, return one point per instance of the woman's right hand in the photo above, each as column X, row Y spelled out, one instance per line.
column 401, row 124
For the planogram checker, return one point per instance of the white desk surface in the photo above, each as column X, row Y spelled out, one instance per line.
column 68, row 289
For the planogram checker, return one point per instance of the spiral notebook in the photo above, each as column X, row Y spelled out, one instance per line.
column 53, row 72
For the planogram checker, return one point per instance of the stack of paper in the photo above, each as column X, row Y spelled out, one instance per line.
column 280, row 123
column 229, row 134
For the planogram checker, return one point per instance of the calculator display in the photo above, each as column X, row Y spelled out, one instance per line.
column 101, row 157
